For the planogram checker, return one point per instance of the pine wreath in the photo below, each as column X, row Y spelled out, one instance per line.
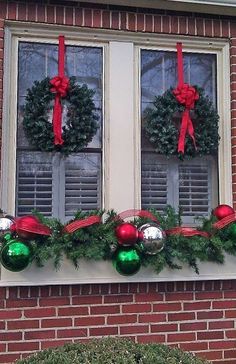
column 161, row 125
column 81, row 122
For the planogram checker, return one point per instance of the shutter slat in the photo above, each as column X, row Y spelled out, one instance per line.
column 34, row 183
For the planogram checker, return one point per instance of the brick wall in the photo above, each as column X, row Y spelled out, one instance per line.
column 196, row 316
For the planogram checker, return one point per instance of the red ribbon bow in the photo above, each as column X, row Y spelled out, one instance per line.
column 60, row 85
column 185, row 95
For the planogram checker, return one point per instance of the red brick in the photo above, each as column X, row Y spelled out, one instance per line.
column 167, row 307
column 90, row 321
column 148, row 297
column 208, row 295
column 192, row 306
column 157, row 23
column 98, row 310
column 41, row 13
column 53, row 343
column 106, row 21
column 21, row 11
column 230, row 294
column 8, row 358
column 50, row 11
column 225, row 28
column 193, row 326
column 12, row 11
column 140, row 22
column 151, row 338
column 123, row 20
column 88, row 17
column 131, row 21
column 164, row 328
column 136, row 308
column 11, row 336
column 22, row 324
column 78, row 17
column 221, row 325
column 40, row 312
column 121, row 319
column 230, row 354
column 42, row 334
column 211, row 355
column 209, row 315
column 87, row 300
column 165, row 24
column 97, row 18
column 208, row 27
column 199, row 26
column 72, row 311
column 103, row 331
column 191, row 26
column 60, row 15
column 23, row 346
column 231, row 334
column 72, row 333
column 30, row 302
column 181, row 337
column 152, row 318
column 9, row 314
column 181, row 316
column 68, row 16
column 115, row 20
column 3, row 10
column 57, row 322
column 224, row 304
column 194, row 346
column 148, row 23
column 222, row 344
column 179, row 296
column 230, row 314
column 210, row 335
column 182, row 25
column 118, row 298
column 54, row 301
column 174, row 24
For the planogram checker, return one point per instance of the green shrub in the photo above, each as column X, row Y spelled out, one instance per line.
column 112, row 351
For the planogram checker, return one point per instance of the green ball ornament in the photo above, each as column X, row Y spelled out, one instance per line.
column 15, row 255
column 127, row 261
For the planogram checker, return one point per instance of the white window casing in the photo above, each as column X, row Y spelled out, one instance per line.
column 121, row 149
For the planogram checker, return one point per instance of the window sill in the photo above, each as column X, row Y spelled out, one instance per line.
column 103, row 272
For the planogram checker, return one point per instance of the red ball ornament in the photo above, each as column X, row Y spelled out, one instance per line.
column 222, row 211
column 127, row 234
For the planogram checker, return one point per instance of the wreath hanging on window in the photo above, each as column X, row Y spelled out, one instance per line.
column 183, row 121
column 81, row 121
column 161, row 125
column 69, row 97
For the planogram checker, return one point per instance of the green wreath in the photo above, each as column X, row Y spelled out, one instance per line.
column 162, row 130
column 81, row 124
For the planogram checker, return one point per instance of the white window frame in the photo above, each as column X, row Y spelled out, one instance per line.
column 122, row 122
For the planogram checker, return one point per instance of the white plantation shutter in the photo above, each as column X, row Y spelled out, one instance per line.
column 187, row 184
column 34, row 183
column 82, row 183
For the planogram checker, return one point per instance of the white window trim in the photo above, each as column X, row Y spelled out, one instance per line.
column 122, row 175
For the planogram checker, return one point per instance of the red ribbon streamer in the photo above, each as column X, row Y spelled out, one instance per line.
column 225, row 221
column 60, row 86
column 139, row 213
column 78, row 224
column 185, row 95
column 186, row 231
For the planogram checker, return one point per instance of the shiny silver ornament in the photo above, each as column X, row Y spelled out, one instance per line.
column 5, row 224
column 152, row 238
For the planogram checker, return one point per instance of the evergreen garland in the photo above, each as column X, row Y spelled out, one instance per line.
column 163, row 132
column 81, row 122
column 98, row 242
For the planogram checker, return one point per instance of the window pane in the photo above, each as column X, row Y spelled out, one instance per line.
column 70, row 183
column 167, row 180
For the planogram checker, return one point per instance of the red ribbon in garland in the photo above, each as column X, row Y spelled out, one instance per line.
column 186, row 231
column 185, row 95
column 78, row 224
column 140, row 213
column 60, row 86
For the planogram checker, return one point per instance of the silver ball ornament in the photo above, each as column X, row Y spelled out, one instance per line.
column 152, row 238
column 5, row 224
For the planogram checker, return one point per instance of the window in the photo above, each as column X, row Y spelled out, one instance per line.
column 49, row 182
column 191, row 185
column 118, row 168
